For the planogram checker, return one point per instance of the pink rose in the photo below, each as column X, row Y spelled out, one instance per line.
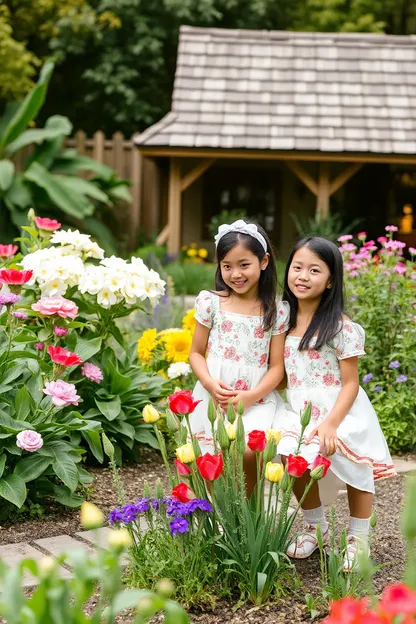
column 47, row 224
column 226, row 326
column 328, row 379
column 60, row 331
column 312, row 354
column 62, row 393
column 263, row 359
column 230, row 353
column 29, row 440
column 48, row 306
column 259, row 332
column 286, row 353
column 92, row 372
column 292, row 379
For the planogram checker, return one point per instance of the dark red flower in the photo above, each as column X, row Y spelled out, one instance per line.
column 210, row 466
column 63, row 357
column 183, row 493
column 15, row 277
column 182, row 402
column 257, row 440
column 398, row 599
column 296, row 465
column 320, row 461
column 182, row 468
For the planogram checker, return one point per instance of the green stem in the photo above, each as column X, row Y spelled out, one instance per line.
column 269, row 503
column 162, row 446
column 258, row 488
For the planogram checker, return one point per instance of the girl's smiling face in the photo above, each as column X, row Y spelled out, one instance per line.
column 308, row 276
column 241, row 269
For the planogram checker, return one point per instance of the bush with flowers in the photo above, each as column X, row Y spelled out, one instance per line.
column 381, row 295
column 61, row 381
column 222, row 540
column 166, row 353
column 193, row 253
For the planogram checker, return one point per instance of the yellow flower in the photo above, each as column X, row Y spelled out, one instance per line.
column 231, row 430
column 150, row 414
column 184, row 247
column 273, row 434
column 119, row 539
column 188, row 321
column 165, row 332
column 185, row 453
column 193, row 245
column 192, row 253
column 274, row 472
column 91, row 516
column 146, row 344
column 178, row 346
column 202, row 253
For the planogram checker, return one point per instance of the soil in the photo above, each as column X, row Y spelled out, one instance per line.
column 388, row 549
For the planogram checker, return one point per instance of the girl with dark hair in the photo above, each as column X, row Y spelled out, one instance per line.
column 321, row 361
column 237, row 348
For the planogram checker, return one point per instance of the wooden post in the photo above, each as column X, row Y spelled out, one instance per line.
column 136, row 192
column 118, row 155
column 322, row 199
column 80, row 142
column 174, row 207
column 98, row 149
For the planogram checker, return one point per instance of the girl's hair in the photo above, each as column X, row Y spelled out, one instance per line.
column 268, row 277
column 326, row 321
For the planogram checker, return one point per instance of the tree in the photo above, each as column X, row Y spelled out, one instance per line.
column 18, row 65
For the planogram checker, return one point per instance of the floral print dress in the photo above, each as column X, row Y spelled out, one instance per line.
column 314, row 375
column 238, row 354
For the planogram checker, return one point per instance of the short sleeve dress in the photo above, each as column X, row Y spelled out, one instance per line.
column 314, row 375
column 238, row 354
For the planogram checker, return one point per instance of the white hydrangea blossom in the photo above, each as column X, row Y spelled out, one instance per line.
column 54, row 269
column 177, row 369
column 78, row 242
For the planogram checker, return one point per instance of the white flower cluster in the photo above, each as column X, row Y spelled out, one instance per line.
column 177, row 369
column 54, row 269
column 115, row 280
column 79, row 243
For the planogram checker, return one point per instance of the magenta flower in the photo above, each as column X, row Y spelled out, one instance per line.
column 412, row 251
column 92, row 372
column 391, row 228
column 39, row 346
column 62, row 393
column 60, row 331
column 382, row 239
column 29, row 440
column 21, row 314
column 400, row 268
column 362, row 235
column 9, row 299
column 344, row 238
column 348, row 247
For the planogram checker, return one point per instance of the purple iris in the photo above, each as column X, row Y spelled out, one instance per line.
column 401, row 378
column 394, row 364
column 367, row 377
column 178, row 525
column 378, row 388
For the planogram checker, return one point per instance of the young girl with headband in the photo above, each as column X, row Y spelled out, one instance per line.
column 237, row 348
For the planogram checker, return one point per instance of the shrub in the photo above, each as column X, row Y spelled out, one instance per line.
column 190, row 279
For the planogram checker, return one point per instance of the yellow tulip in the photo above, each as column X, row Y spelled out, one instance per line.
column 46, row 566
column 273, row 434
column 119, row 539
column 150, row 414
column 274, row 472
column 231, row 430
column 91, row 516
column 185, row 453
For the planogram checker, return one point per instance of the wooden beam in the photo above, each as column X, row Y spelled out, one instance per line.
column 270, row 155
column 136, row 194
column 195, row 173
column 322, row 199
column 343, row 177
column 303, row 175
column 163, row 236
column 174, row 207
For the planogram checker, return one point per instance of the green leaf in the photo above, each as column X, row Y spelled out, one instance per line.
column 31, row 467
column 109, row 409
column 23, row 403
column 118, row 383
column 44, row 334
column 69, row 201
column 145, row 436
column 71, row 163
column 11, row 425
column 13, row 489
column 55, row 127
column 6, row 174
column 94, row 442
column 18, row 194
column 64, row 496
column 120, row 193
column 86, row 349
column 174, row 614
column 2, row 463
column 128, row 599
column 65, row 468
column 84, row 187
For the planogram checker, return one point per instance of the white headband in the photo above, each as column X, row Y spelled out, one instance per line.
column 243, row 228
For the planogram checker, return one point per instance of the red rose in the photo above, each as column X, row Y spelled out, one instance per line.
column 15, row 277
column 183, row 493
column 63, row 357
column 320, row 461
column 47, row 224
column 182, row 468
column 210, row 466
column 398, row 599
column 182, row 402
column 296, row 465
column 257, row 440
column 6, row 251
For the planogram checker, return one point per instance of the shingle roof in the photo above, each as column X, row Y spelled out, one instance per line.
column 273, row 90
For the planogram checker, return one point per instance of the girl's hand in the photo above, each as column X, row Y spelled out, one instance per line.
column 246, row 396
column 327, row 433
column 220, row 391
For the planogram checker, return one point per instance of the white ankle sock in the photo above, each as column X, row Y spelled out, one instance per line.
column 315, row 517
column 359, row 527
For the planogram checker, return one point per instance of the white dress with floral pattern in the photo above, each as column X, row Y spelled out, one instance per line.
column 238, row 354
column 314, row 375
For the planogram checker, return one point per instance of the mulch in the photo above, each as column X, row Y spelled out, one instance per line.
column 388, row 549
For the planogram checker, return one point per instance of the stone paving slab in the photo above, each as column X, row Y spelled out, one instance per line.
column 13, row 554
column 403, row 465
column 62, row 544
column 99, row 537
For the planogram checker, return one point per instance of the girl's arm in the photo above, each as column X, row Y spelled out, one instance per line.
column 271, row 379
column 219, row 390
column 327, row 430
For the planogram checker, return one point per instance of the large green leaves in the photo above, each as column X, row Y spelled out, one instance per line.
column 55, row 127
column 66, row 469
column 13, row 489
column 6, row 174
column 32, row 466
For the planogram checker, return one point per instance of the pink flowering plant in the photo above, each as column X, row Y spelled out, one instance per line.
column 380, row 277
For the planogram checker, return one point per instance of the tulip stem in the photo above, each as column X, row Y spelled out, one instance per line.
column 258, row 488
column 295, row 513
column 269, row 503
column 162, row 447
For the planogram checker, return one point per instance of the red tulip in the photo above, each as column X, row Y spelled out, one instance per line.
column 182, row 402
column 181, row 468
column 210, row 466
column 348, row 610
column 296, row 465
column 183, row 493
column 320, row 467
column 15, row 277
column 398, row 599
column 257, row 440
column 6, row 251
column 63, row 357
column 47, row 224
